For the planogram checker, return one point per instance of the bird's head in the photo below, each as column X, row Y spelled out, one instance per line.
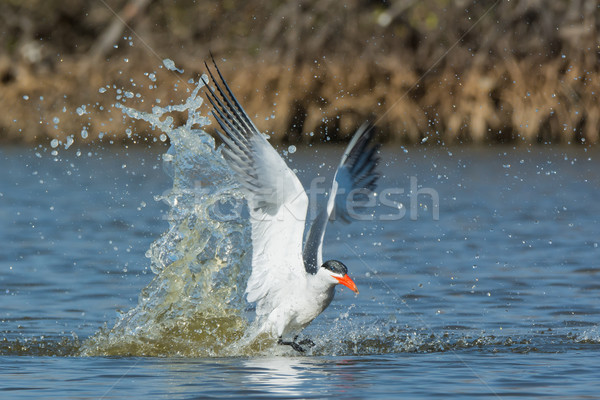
column 339, row 273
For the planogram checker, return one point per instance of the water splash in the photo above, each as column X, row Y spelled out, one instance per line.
column 194, row 306
column 361, row 340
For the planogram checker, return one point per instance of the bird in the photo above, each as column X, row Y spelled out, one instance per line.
column 289, row 282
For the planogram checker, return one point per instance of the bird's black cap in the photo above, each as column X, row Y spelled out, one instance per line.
column 335, row 267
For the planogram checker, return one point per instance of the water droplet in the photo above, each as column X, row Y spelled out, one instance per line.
column 170, row 65
column 69, row 142
column 292, row 149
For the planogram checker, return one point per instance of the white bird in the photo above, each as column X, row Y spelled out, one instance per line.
column 289, row 283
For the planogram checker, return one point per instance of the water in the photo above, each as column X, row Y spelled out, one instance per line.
column 497, row 298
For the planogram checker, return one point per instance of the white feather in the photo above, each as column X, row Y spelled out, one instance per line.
column 289, row 291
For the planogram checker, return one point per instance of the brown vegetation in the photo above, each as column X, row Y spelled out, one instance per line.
column 448, row 71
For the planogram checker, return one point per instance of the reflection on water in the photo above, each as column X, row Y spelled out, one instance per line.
column 277, row 375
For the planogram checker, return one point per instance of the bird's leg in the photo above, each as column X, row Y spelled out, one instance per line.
column 305, row 342
column 294, row 345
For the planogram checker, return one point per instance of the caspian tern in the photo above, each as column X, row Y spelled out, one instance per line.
column 289, row 283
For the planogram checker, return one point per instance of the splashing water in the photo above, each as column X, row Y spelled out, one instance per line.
column 194, row 305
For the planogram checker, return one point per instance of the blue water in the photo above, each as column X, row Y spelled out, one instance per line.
column 498, row 298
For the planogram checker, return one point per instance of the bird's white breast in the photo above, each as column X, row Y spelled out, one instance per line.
column 300, row 305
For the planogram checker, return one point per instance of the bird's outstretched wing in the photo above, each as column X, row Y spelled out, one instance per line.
column 355, row 175
column 276, row 199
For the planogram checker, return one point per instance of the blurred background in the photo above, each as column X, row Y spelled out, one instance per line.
column 431, row 70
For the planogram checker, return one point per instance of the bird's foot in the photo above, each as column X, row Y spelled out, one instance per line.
column 305, row 342
column 294, row 345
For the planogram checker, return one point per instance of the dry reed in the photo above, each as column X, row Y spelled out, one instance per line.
column 486, row 71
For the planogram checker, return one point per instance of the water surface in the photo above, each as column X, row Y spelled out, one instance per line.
column 496, row 298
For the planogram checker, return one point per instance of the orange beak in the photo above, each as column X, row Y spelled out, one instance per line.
column 349, row 283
